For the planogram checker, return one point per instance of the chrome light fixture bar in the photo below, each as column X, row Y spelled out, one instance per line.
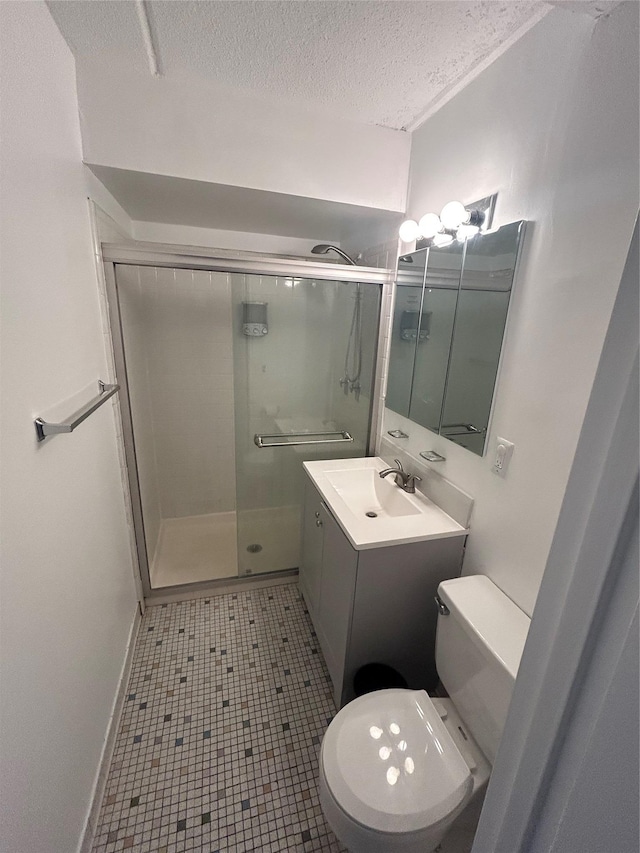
column 455, row 222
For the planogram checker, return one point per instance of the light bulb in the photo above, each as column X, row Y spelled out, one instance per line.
column 409, row 231
column 453, row 215
column 430, row 225
column 441, row 240
column 392, row 775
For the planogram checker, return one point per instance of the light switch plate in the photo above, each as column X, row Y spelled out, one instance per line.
column 503, row 451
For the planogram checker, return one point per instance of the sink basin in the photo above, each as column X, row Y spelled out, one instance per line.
column 366, row 492
column 374, row 512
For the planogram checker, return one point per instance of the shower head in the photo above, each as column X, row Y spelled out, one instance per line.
column 323, row 248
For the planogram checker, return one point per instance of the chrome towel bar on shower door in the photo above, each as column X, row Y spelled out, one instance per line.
column 305, row 438
column 43, row 429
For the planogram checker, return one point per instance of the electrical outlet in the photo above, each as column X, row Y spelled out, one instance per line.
column 502, row 456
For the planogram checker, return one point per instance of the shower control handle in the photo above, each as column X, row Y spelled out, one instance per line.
column 317, row 515
column 318, row 522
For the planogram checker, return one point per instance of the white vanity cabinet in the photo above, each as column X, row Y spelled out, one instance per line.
column 373, row 605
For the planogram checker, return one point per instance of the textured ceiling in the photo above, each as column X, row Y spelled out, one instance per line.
column 594, row 8
column 377, row 61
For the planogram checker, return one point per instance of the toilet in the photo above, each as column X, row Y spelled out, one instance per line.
column 398, row 767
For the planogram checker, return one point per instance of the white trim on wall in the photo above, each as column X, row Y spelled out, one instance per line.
column 100, row 785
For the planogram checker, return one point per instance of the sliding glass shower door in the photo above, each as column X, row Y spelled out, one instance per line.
column 232, row 381
column 304, row 353
column 177, row 341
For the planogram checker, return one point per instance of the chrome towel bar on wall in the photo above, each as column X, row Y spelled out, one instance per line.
column 43, row 428
column 305, row 438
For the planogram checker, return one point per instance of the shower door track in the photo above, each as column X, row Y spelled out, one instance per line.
column 183, row 257
column 161, row 255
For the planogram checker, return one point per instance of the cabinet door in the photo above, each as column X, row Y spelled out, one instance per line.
column 394, row 614
column 339, row 566
column 311, row 558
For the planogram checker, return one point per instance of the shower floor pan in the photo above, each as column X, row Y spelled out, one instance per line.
column 204, row 547
column 195, row 548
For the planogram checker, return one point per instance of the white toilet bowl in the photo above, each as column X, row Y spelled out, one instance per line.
column 397, row 768
column 395, row 772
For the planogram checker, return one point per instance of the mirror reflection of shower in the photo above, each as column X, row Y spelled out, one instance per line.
column 350, row 381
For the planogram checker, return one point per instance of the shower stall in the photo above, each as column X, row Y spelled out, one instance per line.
column 234, row 371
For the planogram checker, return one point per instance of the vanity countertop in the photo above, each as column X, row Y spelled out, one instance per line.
column 353, row 487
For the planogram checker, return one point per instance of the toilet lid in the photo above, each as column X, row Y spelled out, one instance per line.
column 391, row 764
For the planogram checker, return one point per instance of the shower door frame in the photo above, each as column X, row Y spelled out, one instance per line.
column 248, row 263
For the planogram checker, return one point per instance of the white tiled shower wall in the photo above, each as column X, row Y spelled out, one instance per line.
column 177, row 336
column 289, row 380
column 180, row 329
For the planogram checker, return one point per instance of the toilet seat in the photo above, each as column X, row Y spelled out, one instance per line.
column 390, row 763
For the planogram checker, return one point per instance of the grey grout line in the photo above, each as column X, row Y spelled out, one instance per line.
column 218, row 743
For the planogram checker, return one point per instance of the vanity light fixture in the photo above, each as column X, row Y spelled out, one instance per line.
column 454, row 222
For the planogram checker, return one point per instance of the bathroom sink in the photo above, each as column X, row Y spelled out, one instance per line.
column 373, row 511
column 367, row 493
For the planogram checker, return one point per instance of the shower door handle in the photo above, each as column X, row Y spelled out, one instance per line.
column 304, row 438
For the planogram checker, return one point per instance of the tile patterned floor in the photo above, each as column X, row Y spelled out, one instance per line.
column 217, row 748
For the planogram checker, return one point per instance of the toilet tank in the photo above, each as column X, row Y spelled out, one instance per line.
column 478, row 649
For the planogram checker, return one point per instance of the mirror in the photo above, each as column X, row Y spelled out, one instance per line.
column 409, row 282
column 448, row 325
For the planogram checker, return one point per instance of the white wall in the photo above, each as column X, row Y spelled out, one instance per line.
column 114, row 223
column 566, row 774
column 189, row 235
column 68, row 596
column 189, row 127
column 553, row 127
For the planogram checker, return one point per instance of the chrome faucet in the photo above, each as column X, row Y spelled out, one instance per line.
column 407, row 482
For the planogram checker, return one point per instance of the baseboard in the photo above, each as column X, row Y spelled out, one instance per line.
column 110, row 740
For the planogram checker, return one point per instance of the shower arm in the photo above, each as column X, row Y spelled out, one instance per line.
column 323, row 248
column 345, row 256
